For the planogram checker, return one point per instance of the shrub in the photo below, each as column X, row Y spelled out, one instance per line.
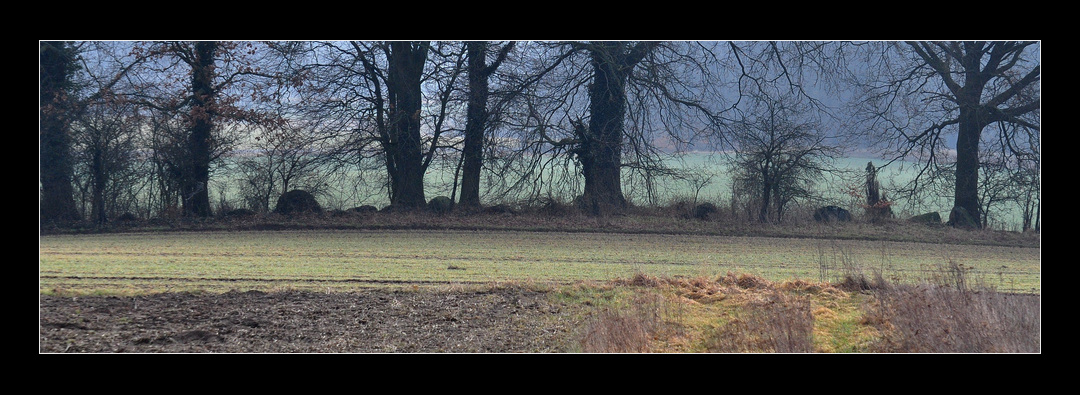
column 127, row 217
column 951, row 313
column 500, row 208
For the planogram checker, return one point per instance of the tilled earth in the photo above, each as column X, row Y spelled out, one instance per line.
column 367, row 321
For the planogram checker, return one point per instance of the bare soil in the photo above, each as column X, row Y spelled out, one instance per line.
column 366, row 321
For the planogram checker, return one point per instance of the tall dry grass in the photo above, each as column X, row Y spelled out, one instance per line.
column 949, row 311
column 780, row 322
column 952, row 313
column 624, row 330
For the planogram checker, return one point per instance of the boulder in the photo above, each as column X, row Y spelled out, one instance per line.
column 441, row 205
column 932, row 218
column 832, row 214
column 367, row 208
column 297, row 201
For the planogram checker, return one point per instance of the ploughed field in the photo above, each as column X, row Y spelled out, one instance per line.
column 360, row 321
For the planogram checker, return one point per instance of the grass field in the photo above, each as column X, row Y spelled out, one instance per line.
column 327, row 260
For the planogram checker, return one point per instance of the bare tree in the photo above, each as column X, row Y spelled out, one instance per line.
column 388, row 101
column 69, row 83
column 781, row 152
column 106, row 134
column 75, row 76
column 208, row 89
column 618, row 105
column 280, row 159
column 1007, row 180
column 479, row 71
column 916, row 93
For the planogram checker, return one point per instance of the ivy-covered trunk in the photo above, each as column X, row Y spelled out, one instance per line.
column 57, row 194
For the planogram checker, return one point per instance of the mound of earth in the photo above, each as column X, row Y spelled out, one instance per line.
column 366, row 321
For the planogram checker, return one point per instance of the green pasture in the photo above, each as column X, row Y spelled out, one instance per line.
column 334, row 260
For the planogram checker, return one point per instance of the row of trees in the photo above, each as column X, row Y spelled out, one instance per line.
column 122, row 121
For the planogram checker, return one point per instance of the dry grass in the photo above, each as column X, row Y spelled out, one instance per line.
column 624, row 330
column 728, row 313
column 950, row 313
column 741, row 313
column 778, row 322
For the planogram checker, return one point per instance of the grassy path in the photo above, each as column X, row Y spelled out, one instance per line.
column 334, row 259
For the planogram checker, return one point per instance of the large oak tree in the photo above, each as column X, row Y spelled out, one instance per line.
column 919, row 92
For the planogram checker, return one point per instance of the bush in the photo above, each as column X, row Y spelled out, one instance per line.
column 625, row 330
column 553, row 207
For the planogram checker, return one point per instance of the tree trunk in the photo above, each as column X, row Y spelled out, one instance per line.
column 601, row 143
column 196, row 175
column 766, row 196
column 406, row 67
column 99, row 174
column 967, row 167
column 57, row 194
column 473, row 150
